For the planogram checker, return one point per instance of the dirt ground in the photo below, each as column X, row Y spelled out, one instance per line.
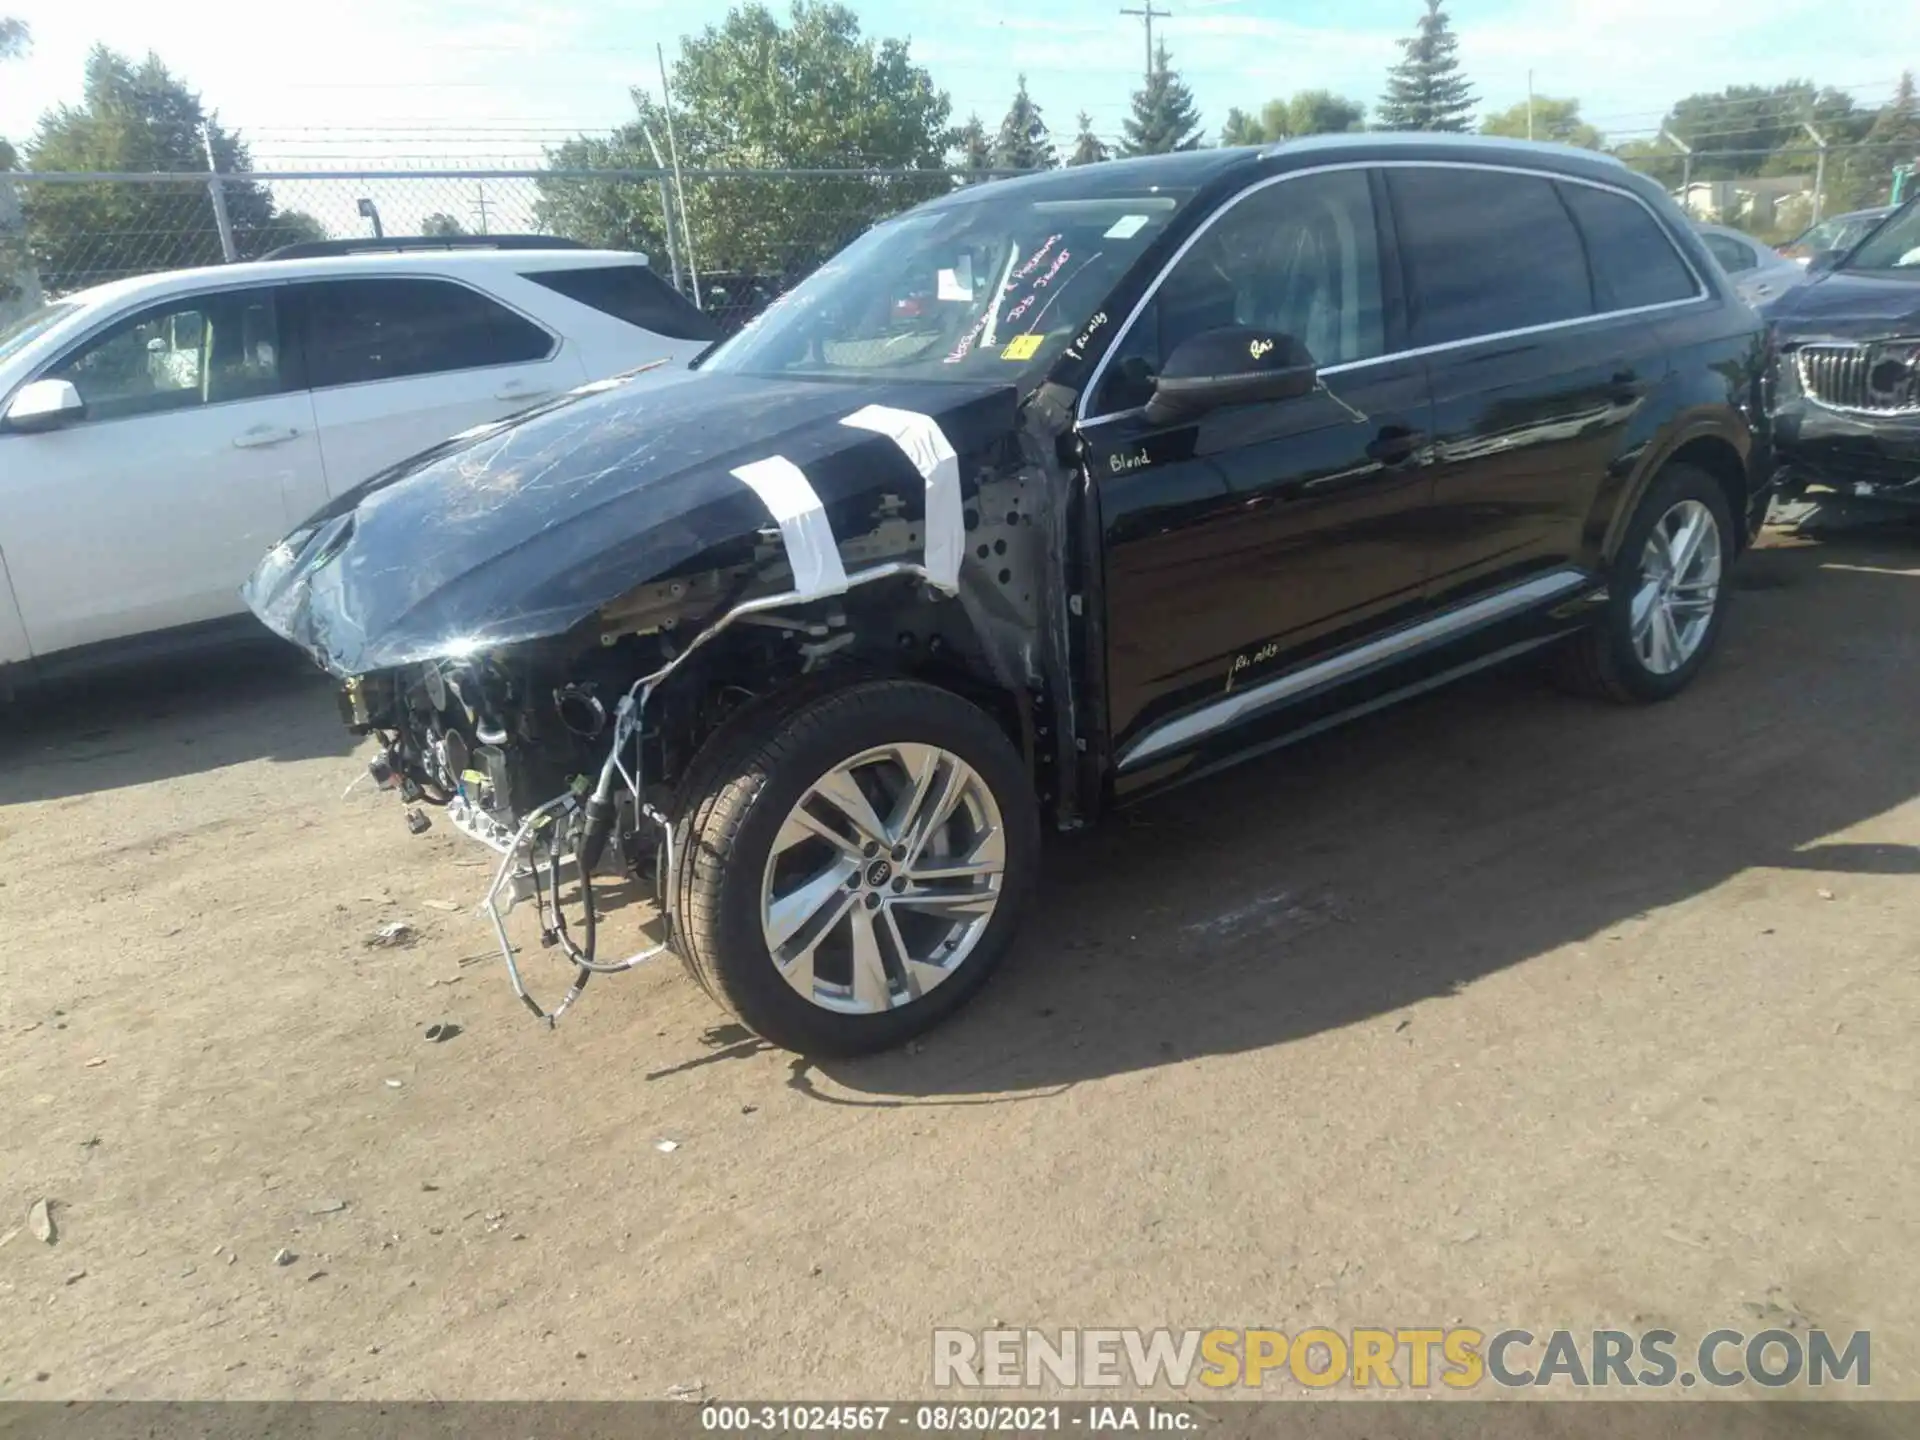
column 1502, row 1008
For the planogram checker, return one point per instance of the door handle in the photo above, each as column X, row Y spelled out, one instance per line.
column 521, row 392
column 1396, row 444
column 261, row 436
column 1626, row 385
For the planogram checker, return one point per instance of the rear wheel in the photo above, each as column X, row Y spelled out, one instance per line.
column 1666, row 594
column 851, row 878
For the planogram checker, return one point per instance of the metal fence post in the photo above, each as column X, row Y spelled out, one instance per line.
column 229, row 251
column 1819, row 171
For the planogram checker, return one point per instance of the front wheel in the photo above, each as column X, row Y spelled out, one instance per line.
column 852, row 873
column 1666, row 594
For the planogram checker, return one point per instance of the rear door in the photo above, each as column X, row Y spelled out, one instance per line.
column 1532, row 296
column 398, row 364
column 196, row 453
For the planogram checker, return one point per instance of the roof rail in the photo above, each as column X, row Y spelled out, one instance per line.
column 388, row 244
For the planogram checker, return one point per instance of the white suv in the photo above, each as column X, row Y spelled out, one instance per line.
column 159, row 434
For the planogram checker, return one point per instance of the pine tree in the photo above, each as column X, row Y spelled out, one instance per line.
column 975, row 152
column 1426, row 90
column 1023, row 142
column 1164, row 117
column 1088, row 148
column 1897, row 127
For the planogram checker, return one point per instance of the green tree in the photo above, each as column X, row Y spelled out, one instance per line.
column 976, row 151
column 1088, row 148
column 14, row 40
column 138, row 118
column 441, row 225
column 1426, row 90
column 1552, row 119
column 755, row 93
column 1894, row 137
column 1309, row 112
column 1023, row 142
column 1164, row 117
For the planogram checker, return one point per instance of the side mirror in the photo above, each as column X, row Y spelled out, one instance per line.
column 45, row 405
column 1235, row 365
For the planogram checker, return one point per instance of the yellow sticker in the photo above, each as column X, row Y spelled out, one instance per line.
column 1023, row 347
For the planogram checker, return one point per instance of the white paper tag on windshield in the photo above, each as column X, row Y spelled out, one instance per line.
column 956, row 284
column 1126, row 227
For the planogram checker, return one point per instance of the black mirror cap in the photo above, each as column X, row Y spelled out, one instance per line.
column 1234, row 365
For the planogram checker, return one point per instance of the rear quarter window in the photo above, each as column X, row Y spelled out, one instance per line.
column 1634, row 262
column 632, row 293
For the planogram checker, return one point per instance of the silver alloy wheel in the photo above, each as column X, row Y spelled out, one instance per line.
column 1679, row 586
column 882, row 878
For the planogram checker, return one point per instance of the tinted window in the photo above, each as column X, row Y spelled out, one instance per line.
column 1300, row 257
column 385, row 329
column 632, row 293
column 1486, row 252
column 1732, row 255
column 1634, row 263
column 198, row 351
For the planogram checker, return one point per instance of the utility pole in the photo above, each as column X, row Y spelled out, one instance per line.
column 1819, row 171
column 1149, row 15
column 1686, row 168
column 1529, row 104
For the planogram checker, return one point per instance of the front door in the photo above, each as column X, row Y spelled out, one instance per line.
column 399, row 364
column 1259, row 537
column 196, row 453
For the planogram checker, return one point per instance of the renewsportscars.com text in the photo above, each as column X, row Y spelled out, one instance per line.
column 1412, row 1357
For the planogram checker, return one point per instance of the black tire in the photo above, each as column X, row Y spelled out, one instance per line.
column 739, row 792
column 1603, row 660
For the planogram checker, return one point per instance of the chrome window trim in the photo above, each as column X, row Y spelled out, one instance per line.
column 1231, row 709
column 1702, row 291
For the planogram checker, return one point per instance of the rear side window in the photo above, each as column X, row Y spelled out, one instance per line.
column 1732, row 255
column 632, row 293
column 1486, row 252
column 361, row 330
column 1634, row 263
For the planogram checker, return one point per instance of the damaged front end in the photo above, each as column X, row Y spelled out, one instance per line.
column 543, row 624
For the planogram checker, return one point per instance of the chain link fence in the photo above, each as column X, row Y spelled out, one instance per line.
column 730, row 239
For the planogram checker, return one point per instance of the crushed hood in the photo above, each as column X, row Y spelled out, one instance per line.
column 1843, row 306
column 522, row 529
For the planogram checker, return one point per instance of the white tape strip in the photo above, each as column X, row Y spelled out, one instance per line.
column 925, row 444
column 812, row 551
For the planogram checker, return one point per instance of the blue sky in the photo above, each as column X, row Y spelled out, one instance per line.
column 366, row 81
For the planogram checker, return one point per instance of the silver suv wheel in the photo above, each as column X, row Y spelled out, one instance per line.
column 1679, row 585
column 882, row 878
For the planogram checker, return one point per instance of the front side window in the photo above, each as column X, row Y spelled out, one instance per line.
column 360, row 330
column 990, row 288
column 200, row 351
column 1895, row 246
column 1634, row 263
column 1488, row 251
column 1732, row 255
column 1300, row 257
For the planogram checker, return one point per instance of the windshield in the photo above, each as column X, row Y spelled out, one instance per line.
column 30, row 327
column 993, row 287
column 1894, row 246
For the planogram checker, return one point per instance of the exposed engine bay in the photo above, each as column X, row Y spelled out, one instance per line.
column 563, row 753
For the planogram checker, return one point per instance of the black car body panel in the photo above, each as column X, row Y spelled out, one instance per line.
column 1142, row 602
column 1847, row 380
column 527, row 529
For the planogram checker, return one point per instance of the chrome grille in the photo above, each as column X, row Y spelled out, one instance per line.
column 1878, row 379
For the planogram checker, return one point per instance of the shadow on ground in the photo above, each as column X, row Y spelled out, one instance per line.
column 152, row 723
column 1418, row 850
